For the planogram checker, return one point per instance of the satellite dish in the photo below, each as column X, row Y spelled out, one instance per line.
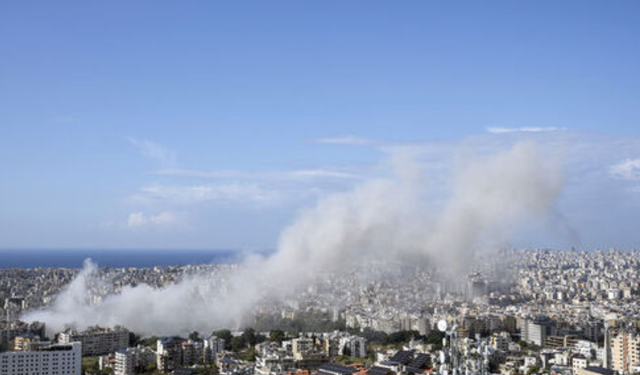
column 442, row 325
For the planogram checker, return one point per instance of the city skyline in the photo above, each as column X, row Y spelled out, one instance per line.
column 319, row 188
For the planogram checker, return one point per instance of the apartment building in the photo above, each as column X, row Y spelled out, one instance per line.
column 9, row 330
column 97, row 340
column 50, row 359
column 625, row 351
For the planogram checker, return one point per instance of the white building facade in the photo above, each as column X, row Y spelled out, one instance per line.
column 97, row 341
column 55, row 359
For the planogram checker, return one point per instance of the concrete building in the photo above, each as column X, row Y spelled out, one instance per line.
column 52, row 359
column 500, row 341
column 192, row 353
column 169, row 354
column 625, row 351
column 579, row 362
column 11, row 330
column 357, row 347
column 301, row 346
column 96, row 340
column 336, row 369
column 130, row 359
column 331, row 346
column 535, row 331
column 125, row 362
column 24, row 341
column 595, row 371
column 422, row 325
column 212, row 346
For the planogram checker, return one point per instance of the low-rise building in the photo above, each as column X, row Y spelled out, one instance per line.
column 595, row 371
column 579, row 362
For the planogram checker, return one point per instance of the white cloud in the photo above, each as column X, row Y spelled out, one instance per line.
column 319, row 173
column 346, row 140
column 533, row 129
column 155, row 151
column 628, row 169
column 300, row 174
column 200, row 173
column 141, row 220
column 192, row 194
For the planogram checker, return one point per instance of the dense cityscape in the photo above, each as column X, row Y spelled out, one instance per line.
column 287, row 187
column 531, row 312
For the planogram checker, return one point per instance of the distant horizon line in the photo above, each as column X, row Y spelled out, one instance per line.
column 119, row 258
column 2, row 249
column 125, row 248
column 270, row 250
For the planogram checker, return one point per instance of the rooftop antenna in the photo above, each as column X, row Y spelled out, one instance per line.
column 442, row 327
column 452, row 334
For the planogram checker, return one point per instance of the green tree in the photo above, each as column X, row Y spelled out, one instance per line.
column 276, row 335
column 151, row 342
column 150, row 368
column 209, row 369
column 375, row 337
column 249, row 336
column 601, row 341
column 195, row 336
column 224, row 334
column 248, row 355
column 402, row 336
column 435, row 338
column 238, row 343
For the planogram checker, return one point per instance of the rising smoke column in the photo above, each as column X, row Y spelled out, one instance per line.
column 490, row 199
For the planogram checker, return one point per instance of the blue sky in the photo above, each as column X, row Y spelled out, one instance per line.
column 210, row 124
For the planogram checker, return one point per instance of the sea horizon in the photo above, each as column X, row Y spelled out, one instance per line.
column 118, row 258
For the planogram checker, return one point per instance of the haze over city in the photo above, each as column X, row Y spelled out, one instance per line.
column 319, row 188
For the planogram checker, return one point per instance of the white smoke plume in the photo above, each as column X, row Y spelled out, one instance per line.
column 489, row 200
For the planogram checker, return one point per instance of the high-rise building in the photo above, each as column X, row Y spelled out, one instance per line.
column 610, row 323
column 625, row 351
column 51, row 359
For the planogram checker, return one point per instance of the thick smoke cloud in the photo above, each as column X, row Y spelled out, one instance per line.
column 489, row 199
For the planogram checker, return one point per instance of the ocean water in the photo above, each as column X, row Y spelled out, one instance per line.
column 52, row 258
